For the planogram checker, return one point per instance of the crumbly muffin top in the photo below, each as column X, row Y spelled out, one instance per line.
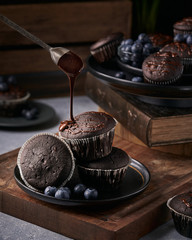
column 182, row 203
column 162, row 66
column 45, row 160
column 115, row 160
column 88, row 124
column 182, row 49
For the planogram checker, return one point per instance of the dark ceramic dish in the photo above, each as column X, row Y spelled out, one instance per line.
column 106, row 72
column 136, row 180
column 46, row 113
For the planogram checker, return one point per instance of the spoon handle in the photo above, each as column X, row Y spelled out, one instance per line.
column 24, row 32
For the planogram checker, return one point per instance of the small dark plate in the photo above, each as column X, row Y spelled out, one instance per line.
column 46, row 113
column 136, row 180
column 129, row 68
column 106, row 73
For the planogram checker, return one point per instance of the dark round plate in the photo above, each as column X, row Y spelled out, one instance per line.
column 136, row 180
column 106, row 72
column 46, row 113
column 129, row 68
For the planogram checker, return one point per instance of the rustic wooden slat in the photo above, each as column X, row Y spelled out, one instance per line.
column 170, row 174
column 66, row 22
column 33, row 60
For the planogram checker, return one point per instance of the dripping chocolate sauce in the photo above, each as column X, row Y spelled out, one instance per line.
column 72, row 65
column 189, row 205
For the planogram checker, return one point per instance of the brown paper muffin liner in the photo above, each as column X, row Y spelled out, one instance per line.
column 92, row 147
column 28, row 142
column 166, row 82
column 11, row 107
column 106, row 52
column 176, row 31
column 187, row 63
column 102, row 179
column 183, row 223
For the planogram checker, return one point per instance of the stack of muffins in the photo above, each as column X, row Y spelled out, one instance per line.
column 90, row 137
column 84, row 144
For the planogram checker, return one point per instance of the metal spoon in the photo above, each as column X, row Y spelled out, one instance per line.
column 56, row 52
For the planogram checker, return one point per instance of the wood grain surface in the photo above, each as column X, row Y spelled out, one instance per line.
column 170, row 174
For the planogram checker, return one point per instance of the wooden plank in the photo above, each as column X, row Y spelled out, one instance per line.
column 66, row 22
column 33, row 60
column 170, row 174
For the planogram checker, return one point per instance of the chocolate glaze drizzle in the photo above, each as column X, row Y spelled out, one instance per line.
column 189, row 205
column 72, row 65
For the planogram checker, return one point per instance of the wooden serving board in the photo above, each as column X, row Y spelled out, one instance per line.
column 170, row 174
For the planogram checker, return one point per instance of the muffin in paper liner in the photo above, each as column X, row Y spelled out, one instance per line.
column 93, row 147
column 106, row 173
column 45, row 160
column 90, row 135
column 182, row 222
column 12, row 107
column 106, row 48
column 162, row 68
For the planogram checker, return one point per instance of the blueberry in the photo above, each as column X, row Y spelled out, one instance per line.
column 62, row 193
column 179, row 38
column 66, row 189
column 137, row 48
column 137, row 79
column 189, row 40
column 79, row 190
column 50, row 191
column 4, row 87
column 143, row 37
column 148, row 45
column 12, row 80
column 91, row 194
column 136, row 57
column 185, row 36
column 127, row 42
column 121, row 75
column 128, row 48
column 29, row 113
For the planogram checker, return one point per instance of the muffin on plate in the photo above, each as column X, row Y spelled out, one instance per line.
column 106, row 172
column 45, row 160
column 183, row 26
column 184, row 51
column 162, row 68
column 12, row 97
column 106, row 48
column 90, row 135
column 181, row 210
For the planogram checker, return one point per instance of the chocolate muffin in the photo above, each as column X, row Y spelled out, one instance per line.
column 45, row 160
column 181, row 210
column 106, row 48
column 162, row 68
column 12, row 97
column 159, row 40
column 184, row 51
column 183, row 26
column 106, row 172
column 90, row 135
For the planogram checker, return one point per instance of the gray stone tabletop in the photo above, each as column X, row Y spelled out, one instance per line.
column 12, row 228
